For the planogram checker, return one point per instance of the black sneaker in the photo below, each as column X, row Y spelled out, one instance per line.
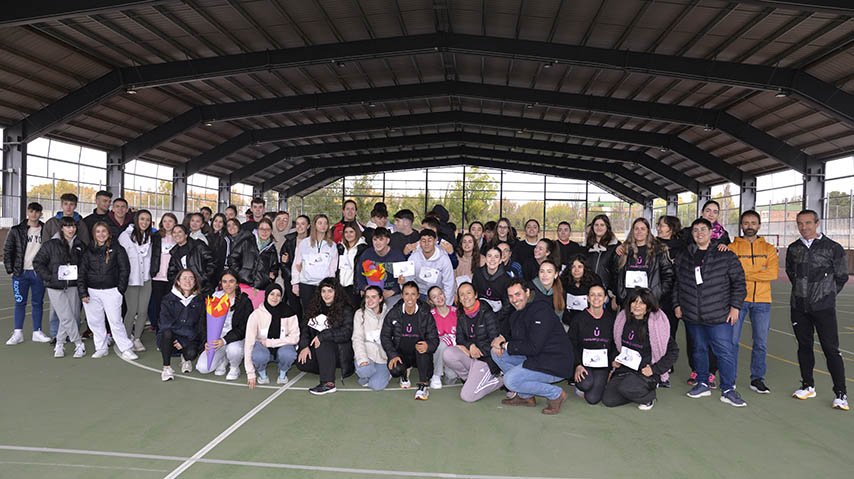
column 692, row 379
column 712, row 383
column 664, row 384
column 323, row 388
column 52, row 341
column 759, row 386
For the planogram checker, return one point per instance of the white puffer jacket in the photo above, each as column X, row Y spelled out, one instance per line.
column 139, row 257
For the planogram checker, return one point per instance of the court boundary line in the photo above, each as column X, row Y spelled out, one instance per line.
column 263, row 386
column 235, row 426
column 83, row 466
column 793, row 336
column 303, row 467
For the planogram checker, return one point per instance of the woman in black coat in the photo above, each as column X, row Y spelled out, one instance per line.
column 193, row 255
column 181, row 317
column 644, row 264
column 255, row 260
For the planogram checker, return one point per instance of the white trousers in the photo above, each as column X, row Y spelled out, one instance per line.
column 106, row 303
column 232, row 352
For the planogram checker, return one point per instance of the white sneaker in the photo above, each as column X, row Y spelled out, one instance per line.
column 806, row 392
column 220, row 370
column 283, row 378
column 129, row 355
column 59, row 351
column 79, row 350
column 262, row 379
column 16, row 338
column 167, row 374
column 647, row 406
column 436, row 382
column 40, row 337
column 423, row 393
column 186, row 366
column 138, row 346
column 840, row 402
column 233, row 373
column 101, row 354
column 404, row 380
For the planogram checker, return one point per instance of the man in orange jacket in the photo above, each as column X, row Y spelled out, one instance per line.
column 759, row 260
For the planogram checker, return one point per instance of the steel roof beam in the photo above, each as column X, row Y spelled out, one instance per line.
column 685, row 115
column 25, row 13
column 820, row 94
column 837, row 7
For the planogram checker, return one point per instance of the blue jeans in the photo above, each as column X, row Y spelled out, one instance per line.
column 21, row 286
column 719, row 339
column 376, row 376
column 261, row 355
column 760, row 321
column 525, row 382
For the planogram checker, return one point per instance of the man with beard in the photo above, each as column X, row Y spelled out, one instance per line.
column 759, row 260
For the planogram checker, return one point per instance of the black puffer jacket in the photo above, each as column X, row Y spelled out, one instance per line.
column 156, row 247
column 723, row 286
column 254, row 266
column 600, row 261
column 16, row 247
column 817, row 273
column 480, row 331
column 289, row 247
column 103, row 267
column 199, row 261
column 392, row 329
column 493, row 287
column 341, row 334
column 659, row 275
column 52, row 255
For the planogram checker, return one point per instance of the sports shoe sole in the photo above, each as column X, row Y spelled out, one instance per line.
column 728, row 401
column 701, row 395
column 321, row 393
column 421, row 398
column 841, row 408
column 804, row 398
column 767, row 391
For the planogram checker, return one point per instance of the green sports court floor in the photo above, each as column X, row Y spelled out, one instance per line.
column 86, row 418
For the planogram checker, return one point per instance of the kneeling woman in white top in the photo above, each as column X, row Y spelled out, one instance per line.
column 229, row 347
column 370, row 357
column 272, row 328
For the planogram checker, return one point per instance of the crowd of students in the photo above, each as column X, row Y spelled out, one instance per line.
column 377, row 300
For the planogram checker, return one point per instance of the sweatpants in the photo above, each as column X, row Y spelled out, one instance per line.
column 439, row 366
column 231, row 352
column 190, row 347
column 323, row 360
column 159, row 289
column 67, row 303
column 22, row 286
column 373, row 375
column 628, row 387
column 137, row 298
column 478, row 379
column 410, row 358
column 106, row 303
column 593, row 385
column 255, row 295
column 823, row 323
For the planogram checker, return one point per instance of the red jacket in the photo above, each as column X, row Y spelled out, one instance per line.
column 338, row 231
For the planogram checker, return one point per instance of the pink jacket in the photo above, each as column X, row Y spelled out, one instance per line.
column 256, row 328
column 659, row 335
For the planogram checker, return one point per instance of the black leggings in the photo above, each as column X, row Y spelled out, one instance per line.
column 824, row 323
column 159, row 289
column 593, row 384
column 628, row 387
column 410, row 358
column 189, row 348
column 322, row 362
column 306, row 291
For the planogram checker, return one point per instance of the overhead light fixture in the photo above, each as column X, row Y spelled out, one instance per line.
column 339, row 64
column 130, row 90
column 663, row 149
column 520, row 130
column 209, row 123
column 707, row 127
column 781, row 93
column 529, row 106
column 550, row 64
column 372, row 105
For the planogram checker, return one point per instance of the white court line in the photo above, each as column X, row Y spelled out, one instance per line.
column 83, row 466
column 268, row 465
column 243, row 384
column 224, row 435
column 792, row 335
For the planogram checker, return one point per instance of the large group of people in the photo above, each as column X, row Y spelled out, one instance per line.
column 475, row 305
